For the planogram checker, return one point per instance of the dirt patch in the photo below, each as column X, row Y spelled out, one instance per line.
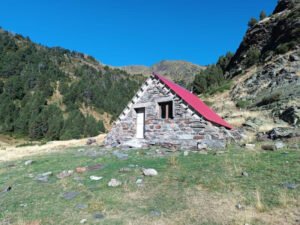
column 11, row 152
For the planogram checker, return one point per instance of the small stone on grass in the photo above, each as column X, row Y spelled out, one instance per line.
column 95, row 178
column 245, row 174
column 64, row 174
column 98, row 216
column 44, row 177
column 150, row 172
column 83, row 221
column 28, row 162
column 81, row 206
column 70, row 195
column 114, row 183
column 125, row 170
column 155, row 213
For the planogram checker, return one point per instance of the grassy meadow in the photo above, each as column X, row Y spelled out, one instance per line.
column 197, row 189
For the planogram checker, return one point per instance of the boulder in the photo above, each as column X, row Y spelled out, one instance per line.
column 294, row 57
column 291, row 115
column 268, row 147
column 283, row 132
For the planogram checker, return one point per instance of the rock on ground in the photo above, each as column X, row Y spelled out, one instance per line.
column 70, row 195
column 250, row 146
column 64, row 174
column 95, row 178
column 28, row 162
column 114, row 183
column 150, row 172
column 44, row 177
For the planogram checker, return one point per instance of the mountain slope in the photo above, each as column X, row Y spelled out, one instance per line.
column 54, row 93
column 179, row 71
column 265, row 74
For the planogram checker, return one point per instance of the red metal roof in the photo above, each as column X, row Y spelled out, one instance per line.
column 194, row 102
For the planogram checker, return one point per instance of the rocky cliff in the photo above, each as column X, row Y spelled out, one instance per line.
column 264, row 97
column 267, row 64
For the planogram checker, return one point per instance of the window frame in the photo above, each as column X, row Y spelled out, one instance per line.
column 166, row 108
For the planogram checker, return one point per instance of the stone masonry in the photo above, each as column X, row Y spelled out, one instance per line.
column 187, row 130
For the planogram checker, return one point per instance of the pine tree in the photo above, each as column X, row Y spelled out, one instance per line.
column 262, row 15
column 252, row 22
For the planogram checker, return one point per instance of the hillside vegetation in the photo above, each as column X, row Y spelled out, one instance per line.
column 47, row 92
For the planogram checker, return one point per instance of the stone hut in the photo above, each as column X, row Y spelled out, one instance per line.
column 164, row 113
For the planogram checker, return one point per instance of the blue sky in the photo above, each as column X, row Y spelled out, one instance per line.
column 135, row 32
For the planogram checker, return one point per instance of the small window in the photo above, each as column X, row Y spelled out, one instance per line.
column 166, row 110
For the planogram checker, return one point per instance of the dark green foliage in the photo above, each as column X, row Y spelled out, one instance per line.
column 55, row 122
column 285, row 47
column 252, row 56
column 223, row 61
column 269, row 99
column 1, row 86
column 8, row 114
column 92, row 127
column 262, row 15
column 212, row 80
column 243, row 103
column 30, row 75
column 207, row 79
column 252, row 22
column 74, row 126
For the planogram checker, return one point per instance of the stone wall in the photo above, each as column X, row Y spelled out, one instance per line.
column 187, row 130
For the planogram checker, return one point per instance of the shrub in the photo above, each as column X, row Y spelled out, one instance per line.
column 269, row 99
column 252, row 57
column 243, row 103
column 208, row 79
column 285, row 47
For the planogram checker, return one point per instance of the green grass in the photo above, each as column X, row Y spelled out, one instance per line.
column 168, row 193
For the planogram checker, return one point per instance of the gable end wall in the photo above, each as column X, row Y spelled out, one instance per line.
column 186, row 130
